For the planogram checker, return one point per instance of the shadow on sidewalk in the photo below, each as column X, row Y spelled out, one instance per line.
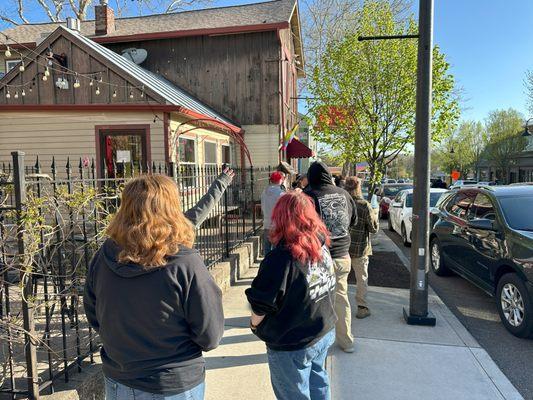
column 235, row 361
column 237, row 322
column 237, row 339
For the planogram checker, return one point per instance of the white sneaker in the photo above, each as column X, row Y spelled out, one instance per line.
column 350, row 349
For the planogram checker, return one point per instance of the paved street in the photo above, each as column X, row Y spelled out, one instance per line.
column 477, row 312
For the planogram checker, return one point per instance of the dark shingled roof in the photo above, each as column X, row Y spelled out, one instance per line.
column 270, row 12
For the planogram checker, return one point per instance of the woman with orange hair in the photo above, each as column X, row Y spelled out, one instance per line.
column 151, row 298
column 292, row 301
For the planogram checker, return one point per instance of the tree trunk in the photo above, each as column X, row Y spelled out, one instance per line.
column 348, row 169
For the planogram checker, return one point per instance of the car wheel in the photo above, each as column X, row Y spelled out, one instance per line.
column 514, row 305
column 437, row 259
column 391, row 228
column 405, row 239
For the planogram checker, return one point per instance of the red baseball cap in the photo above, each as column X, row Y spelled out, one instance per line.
column 276, row 177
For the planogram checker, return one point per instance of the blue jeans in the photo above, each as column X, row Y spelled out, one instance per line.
column 118, row 391
column 267, row 246
column 301, row 374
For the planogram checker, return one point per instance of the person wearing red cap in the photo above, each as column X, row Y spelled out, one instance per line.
column 269, row 198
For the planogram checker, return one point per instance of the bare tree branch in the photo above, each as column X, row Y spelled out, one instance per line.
column 47, row 10
column 20, row 10
column 8, row 20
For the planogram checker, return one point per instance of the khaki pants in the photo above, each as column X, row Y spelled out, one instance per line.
column 343, row 328
column 360, row 267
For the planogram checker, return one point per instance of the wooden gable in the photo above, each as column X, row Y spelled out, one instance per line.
column 115, row 85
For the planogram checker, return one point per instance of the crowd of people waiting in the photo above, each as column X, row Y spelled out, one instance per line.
column 156, row 307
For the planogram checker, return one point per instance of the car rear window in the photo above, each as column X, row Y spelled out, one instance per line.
column 518, row 212
column 433, row 199
column 392, row 190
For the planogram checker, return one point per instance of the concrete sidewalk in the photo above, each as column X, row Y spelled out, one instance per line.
column 238, row 368
column 392, row 360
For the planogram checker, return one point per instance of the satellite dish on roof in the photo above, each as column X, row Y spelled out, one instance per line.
column 136, row 55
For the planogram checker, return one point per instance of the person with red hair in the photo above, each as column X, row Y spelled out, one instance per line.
column 292, row 300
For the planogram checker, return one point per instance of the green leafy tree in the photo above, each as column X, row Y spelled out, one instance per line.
column 505, row 140
column 365, row 92
column 468, row 143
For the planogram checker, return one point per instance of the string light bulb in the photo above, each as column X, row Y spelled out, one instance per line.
column 23, row 93
column 8, row 95
column 76, row 84
column 16, row 95
column 45, row 77
column 131, row 94
column 8, row 52
column 97, row 92
column 91, row 82
column 46, row 72
column 114, row 93
column 21, row 68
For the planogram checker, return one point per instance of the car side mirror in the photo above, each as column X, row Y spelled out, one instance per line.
column 482, row 224
column 434, row 211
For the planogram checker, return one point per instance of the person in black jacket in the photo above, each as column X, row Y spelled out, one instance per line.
column 292, row 301
column 338, row 211
column 150, row 296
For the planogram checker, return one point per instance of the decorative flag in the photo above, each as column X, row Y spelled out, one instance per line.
column 290, row 135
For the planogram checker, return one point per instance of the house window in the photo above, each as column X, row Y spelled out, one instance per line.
column 226, row 154
column 187, row 151
column 123, row 151
column 210, row 153
column 10, row 64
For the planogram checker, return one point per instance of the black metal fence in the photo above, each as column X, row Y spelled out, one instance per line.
column 51, row 222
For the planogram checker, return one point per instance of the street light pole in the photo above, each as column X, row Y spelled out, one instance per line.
column 418, row 313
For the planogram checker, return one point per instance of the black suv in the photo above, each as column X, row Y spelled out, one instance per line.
column 486, row 236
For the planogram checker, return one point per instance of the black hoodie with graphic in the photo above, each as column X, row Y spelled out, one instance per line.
column 334, row 205
column 154, row 323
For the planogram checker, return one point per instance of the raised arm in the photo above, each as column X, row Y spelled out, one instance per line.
column 201, row 210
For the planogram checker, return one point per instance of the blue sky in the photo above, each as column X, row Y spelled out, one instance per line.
column 489, row 45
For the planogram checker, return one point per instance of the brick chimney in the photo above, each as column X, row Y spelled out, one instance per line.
column 104, row 21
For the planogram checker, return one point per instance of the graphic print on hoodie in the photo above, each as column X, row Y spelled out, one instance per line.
column 334, row 213
column 296, row 299
column 334, row 205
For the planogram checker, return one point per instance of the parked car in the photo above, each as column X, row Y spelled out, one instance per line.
column 460, row 183
column 401, row 212
column 391, row 181
column 486, row 236
column 401, row 181
column 386, row 193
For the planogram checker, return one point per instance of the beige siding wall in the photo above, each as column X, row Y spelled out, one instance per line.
column 68, row 134
column 14, row 56
column 199, row 135
column 262, row 142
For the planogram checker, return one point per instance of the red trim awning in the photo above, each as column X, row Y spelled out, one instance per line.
column 297, row 149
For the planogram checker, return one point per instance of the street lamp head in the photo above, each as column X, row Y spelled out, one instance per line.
column 526, row 129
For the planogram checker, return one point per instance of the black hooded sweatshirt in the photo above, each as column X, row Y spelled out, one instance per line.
column 296, row 299
column 334, row 205
column 154, row 323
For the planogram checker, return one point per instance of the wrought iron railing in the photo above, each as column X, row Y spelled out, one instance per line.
column 51, row 222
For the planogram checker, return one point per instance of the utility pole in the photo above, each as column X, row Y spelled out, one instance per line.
column 418, row 313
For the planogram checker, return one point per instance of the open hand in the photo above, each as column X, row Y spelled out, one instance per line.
column 229, row 172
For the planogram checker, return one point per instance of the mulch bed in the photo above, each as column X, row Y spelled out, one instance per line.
column 386, row 270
